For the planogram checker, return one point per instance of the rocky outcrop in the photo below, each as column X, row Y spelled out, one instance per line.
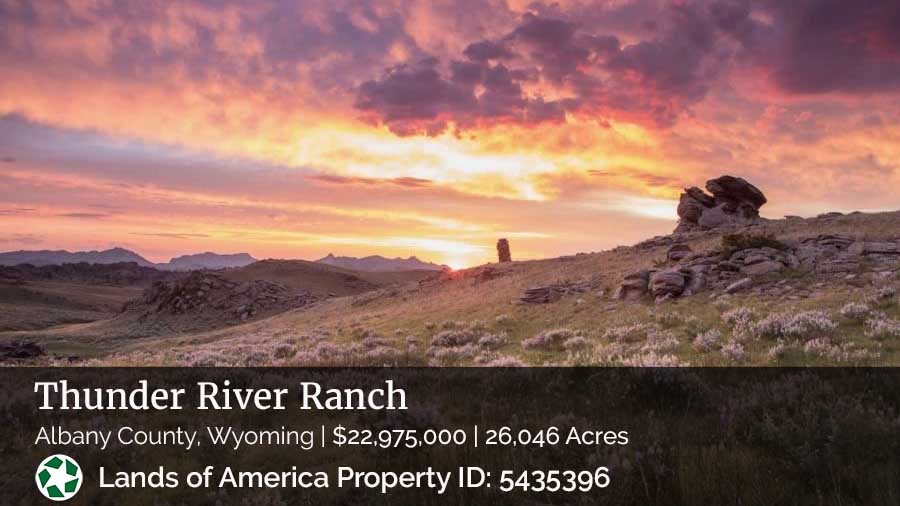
column 731, row 201
column 734, row 271
column 678, row 252
column 758, row 261
column 634, row 286
column 503, row 254
column 827, row 253
column 552, row 293
column 662, row 284
column 739, row 285
column 19, row 350
column 875, row 248
column 209, row 300
column 668, row 283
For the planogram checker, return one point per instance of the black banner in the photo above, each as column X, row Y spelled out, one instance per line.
column 451, row 436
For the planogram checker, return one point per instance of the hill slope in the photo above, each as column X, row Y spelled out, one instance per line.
column 317, row 279
column 790, row 317
column 844, row 310
column 33, row 298
column 193, row 302
column 322, row 279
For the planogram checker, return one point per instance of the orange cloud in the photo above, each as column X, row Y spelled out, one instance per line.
column 568, row 126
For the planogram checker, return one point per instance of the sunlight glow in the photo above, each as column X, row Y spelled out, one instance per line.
column 463, row 163
column 663, row 209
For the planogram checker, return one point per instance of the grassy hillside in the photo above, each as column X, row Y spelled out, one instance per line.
column 474, row 317
column 76, row 319
column 41, row 304
column 320, row 279
column 315, row 278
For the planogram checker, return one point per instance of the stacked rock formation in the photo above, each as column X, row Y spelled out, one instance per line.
column 733, row 201
column 503, row 251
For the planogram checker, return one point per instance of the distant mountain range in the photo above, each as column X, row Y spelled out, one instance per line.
column 119, row 255
column 208, row 260
column 377, row 263
column 59, row 257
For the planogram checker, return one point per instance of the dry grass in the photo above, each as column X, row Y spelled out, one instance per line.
column 396, row 325
column 43, row 304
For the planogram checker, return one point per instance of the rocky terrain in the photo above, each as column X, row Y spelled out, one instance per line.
column 73, row 308
column 727, row 287
column 732, row 201
column 735, row 267
column 208, row 300
column 745, row 253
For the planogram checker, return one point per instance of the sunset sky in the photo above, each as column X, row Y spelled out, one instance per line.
column 292, row 129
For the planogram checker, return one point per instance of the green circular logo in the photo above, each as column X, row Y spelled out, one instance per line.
column 58, row 477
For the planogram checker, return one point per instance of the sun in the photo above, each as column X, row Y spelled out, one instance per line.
column 456, row 263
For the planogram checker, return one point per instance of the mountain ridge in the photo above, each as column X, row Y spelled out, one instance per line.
column 205, row 260
column 43, row 258
column 208, row 260
column 378, row 263
column 40, row 258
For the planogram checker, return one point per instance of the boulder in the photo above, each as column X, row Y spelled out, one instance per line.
column 714, row 218
column 764, row 267
column 835, row 240
column 737, row 195
column 874, row 248
column 696, row 282
column 739, row 285
column 693, row 203
column 836, row 265
column 733, row 201
column 678, row 252
column 552, row 293
column 756, row 258
column 814, row 252
column 667, row 283
column 634, row 286
column 728, row 266
column 540, row 295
